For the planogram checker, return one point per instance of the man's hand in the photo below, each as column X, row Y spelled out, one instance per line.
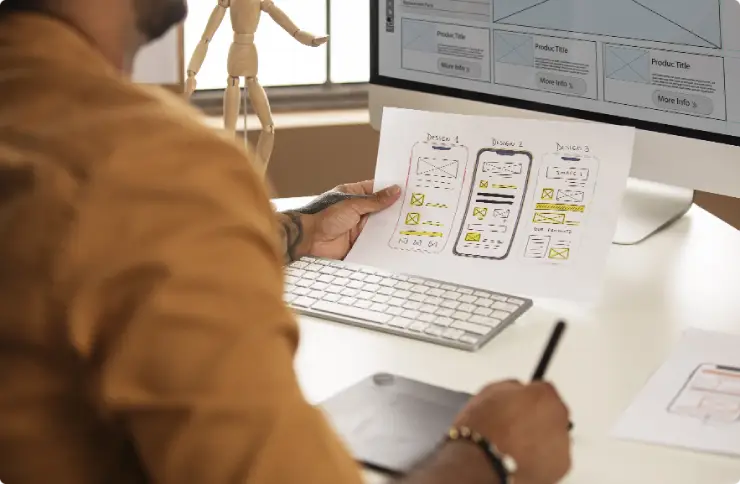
column 331, row 228
column 528, row 422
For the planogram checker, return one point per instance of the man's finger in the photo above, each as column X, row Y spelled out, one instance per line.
column 376, row 202
column 360, row 188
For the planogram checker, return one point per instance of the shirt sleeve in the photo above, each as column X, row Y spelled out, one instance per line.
column 172, row 279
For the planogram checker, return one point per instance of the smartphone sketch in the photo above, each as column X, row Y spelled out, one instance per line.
column 431, row 197
column 711, row 394
column 494, row 204
column 563, row 194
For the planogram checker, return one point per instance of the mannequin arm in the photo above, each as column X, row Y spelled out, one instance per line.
column 282, row 19
column 199, row 55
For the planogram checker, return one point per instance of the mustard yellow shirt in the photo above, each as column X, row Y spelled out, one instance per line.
column 143, row 336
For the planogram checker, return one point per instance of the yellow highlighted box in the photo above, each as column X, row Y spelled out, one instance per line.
column 417, row 199
column 419, row 233
column 549, row 218
column 413, row 219
column 472, row 237
column 560, row 207
column 559, row 254
column 480, row 213
column 548, row 193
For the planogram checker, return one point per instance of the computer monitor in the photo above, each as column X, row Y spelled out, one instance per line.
column 670, row 69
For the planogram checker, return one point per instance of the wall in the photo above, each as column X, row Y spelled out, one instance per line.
column 309, row 160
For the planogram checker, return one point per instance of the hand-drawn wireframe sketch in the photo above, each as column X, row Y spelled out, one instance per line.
column 495, row 202
column 565, row 186
column 431, row 197
column 710, row 394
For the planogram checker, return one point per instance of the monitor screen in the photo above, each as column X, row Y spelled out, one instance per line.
column 661, row 65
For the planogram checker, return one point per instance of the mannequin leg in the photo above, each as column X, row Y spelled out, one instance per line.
column 258, row 99
column 232, row 98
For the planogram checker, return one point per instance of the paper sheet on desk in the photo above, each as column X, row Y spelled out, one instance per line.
column 518, row 206
column 693, row 400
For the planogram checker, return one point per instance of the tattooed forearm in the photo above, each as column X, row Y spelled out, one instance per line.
column 291, row 234
column 322, row 202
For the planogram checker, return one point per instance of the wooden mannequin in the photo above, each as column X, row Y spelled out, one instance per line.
column 243, row 62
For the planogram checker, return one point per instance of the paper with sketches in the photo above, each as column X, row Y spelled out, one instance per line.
column 693, row 401
column 518, row 206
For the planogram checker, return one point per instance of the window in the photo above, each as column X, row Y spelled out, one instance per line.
column 282, row 60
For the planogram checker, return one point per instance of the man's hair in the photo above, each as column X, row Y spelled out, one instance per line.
column 23, row 5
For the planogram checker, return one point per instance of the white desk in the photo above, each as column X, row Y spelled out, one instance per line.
column 688, row 275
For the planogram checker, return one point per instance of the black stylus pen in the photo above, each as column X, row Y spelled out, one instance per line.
column 539, row 372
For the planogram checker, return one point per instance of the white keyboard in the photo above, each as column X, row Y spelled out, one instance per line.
column 415, row 307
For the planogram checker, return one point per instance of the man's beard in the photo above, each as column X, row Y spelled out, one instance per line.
column 154, row 18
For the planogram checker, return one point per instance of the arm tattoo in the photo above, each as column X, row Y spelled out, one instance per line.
column 322, row 202
column 292, row 234
column 292, row 227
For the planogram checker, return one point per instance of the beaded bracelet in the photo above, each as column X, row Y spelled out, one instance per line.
column 504, row 465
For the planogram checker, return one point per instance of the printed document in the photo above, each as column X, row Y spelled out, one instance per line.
column 693, row 401
column 517, row 206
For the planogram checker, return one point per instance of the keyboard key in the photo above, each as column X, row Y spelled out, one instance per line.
column 471, row 328
column 365, row 295
column 417, row 297
column 451, row 333
column 335, row 298
column 468, row 339
column 379, row 298
column 379, row 307
column 349, row 292
column 435, row 292
column 334, row 289
column 412, row 305
column 419, row 289
column 326, row 278
column 341, row 281
column 468, row 308
column 343, row 273
column 448, row 287
column 363, row 304
column 348, row 301
column 410, row 314
column 399, row 322
column 445, row 312
column 304, row 301
column 373, row 279
column 371, row 287
column 427, row 318
column 388, row 282
column 355, row 285
column 402, row 294
column 358, row 276
column 304, row 283
column 432, row 283
column 291, row 279
column 496, row 297
column 500, row 314
column 328, row 270
column 319, row 286
column 467, row 298
column 516, row 301
column 450, row 304
column 353, row 312
column 418, row 326
column 396, row 301
column 416, row 280
column 484, row 302
column 387, row 291
column 483, row 311
column 480, row 294
column 492, row 322
column 295, row 272
column 288, row 298
column 396, row 311
column 434, row 330
column 314, row 267
column 428, row 308
column 317, row 294
column 301, row 291
column 436, row 301
column 444, row 321
column 505, row 306
column 404, row 286
column 463, row 316
column 465, row 290
column 299, row 264
column 452, row 295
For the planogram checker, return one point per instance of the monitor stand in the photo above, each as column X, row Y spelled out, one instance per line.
column 648, row 208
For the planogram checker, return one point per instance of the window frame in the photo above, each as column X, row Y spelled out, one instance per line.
column 296, row 98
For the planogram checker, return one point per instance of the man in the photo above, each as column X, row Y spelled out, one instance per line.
column 143, row 336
